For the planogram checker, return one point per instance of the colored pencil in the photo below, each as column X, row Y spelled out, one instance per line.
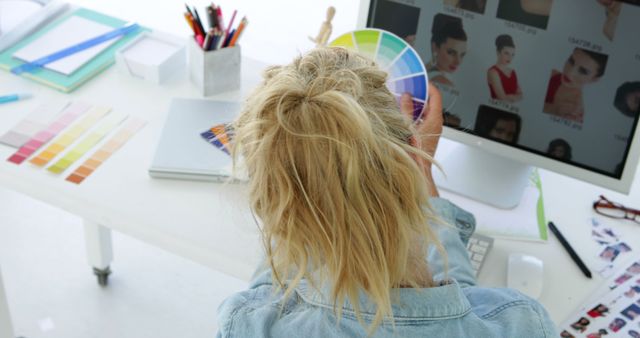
column 194, row 25
column 222, row 36
column 199, row 22
column 207, row 40
column 189, row 22
column 227, row 41
column 14, row 97
column 226, row 33
column 236, row 35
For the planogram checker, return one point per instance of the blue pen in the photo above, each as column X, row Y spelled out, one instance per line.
column 14, row 97
column 29, row 67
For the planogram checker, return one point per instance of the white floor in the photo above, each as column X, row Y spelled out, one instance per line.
column 53, row 293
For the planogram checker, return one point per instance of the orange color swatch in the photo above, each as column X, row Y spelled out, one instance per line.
column 103, row 153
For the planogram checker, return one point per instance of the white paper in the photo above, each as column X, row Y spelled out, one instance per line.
column 518, row 223
column 17, row 26
column 12, row 13
column 69, row 33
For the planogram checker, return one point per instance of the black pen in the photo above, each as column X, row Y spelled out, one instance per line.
column 570, row 250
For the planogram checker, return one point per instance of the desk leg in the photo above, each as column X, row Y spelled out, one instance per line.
column 99, row 250
column 6, row 329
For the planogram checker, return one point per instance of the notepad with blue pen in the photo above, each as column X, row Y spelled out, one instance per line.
column 69, row 73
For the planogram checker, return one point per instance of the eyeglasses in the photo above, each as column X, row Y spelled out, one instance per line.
column 607, row 208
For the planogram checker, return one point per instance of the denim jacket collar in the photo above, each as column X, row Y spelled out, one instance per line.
column 436, row 303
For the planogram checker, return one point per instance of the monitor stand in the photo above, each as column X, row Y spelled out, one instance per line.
column 481, row 175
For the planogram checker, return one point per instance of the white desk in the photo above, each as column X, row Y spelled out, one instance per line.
column 210, row 223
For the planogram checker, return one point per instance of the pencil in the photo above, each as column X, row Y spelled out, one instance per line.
column 186, row 17
column 199, row 22
column 226, row 33
column 207, row 40
column 227, row 41
column 220, row 41
column 196, row 28
column 216, row 40
column 236, row 35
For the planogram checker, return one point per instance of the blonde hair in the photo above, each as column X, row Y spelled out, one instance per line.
column 334, row 179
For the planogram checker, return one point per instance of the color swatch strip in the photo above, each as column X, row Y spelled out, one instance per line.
column 220, row 136
column 87, row 143
column 70, row 114
column 33, row 123
column 113, row 144
column 67, row 138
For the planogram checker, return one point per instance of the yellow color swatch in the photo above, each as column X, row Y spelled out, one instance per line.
column 87, row 143
column 346, row 41
column 69, row 136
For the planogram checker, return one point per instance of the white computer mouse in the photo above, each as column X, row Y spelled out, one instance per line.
column 525, row 273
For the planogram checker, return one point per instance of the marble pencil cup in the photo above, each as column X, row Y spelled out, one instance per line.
column 214, row 71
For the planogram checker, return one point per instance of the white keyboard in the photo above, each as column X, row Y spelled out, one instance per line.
column 478, row 247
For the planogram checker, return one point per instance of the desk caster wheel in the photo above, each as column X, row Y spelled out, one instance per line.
column 103, row 275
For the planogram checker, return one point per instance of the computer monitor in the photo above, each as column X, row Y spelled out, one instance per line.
column 547, row 83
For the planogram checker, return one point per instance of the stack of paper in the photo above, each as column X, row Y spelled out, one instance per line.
column 71, row 29
column 20, row 18
column 525, row 222
column 71, row 32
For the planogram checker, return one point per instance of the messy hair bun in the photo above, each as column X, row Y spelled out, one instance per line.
column 333, row 177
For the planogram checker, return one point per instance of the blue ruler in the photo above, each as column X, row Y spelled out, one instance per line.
column 31, row 66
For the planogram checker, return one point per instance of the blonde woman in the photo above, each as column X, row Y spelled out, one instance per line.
column 357, row 241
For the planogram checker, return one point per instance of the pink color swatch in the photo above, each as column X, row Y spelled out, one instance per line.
column 45, row 135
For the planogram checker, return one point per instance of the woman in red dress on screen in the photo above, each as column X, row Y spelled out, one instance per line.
column 503, row 81
column 564, row 93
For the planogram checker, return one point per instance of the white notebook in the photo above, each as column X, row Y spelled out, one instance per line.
column 18, row 19
column 69, row 33
column 182, row 153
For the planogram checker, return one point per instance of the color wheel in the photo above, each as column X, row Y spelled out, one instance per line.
column 407, row 73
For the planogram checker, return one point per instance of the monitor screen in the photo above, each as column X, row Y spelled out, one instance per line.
column 558, row 78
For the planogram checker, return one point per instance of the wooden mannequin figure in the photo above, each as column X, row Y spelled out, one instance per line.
column 325, row 29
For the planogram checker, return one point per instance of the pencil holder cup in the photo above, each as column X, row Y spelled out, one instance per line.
column 214, row 71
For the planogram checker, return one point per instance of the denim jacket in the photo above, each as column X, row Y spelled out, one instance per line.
column 455, row 308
